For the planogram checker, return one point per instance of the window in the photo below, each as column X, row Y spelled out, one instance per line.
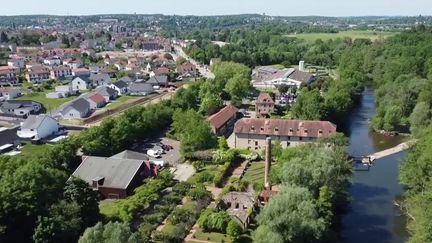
column 320, row 131
column 300, row 138
column 256, row 143
column 276, row 129
column 262, row 128
column 305, row 130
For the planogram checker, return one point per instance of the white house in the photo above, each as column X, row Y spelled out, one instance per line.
column 100, row 79
column 16, row 61
column 52, row 61
column 120, row 86
column 81, row 83
column 9, row 93
column 38, row 127
column 80, row 108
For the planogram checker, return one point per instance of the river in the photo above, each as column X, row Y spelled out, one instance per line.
column 372, row 217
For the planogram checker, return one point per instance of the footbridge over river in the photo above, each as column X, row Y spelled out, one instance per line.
column 367, row 160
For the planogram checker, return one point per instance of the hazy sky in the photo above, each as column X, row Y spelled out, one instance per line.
column 215, row 7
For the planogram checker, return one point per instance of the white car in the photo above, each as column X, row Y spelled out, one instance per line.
column 154, row 153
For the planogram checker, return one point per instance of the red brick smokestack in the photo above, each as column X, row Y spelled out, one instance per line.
column 268, row 158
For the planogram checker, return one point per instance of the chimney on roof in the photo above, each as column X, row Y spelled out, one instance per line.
column 302, row 66
column 267, row 164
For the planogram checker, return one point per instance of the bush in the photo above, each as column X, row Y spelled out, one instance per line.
column 204, row 176
column 234, row 230
column 220, row 174
column 214, row 221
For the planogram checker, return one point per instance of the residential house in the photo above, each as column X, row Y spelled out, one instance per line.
column 160, row 71
column 61, row 72
column 264, row 105
column 223, row 121
column 38, row 74
column 96, row 101
column 187, row 69
column 127, row 79
column 52, row 61
column 79, row 108
column 38, row 127
column 81, row 72
column 20, row 108
column 114, row 177
column 8, row 93
column 81, row 83
column 72, row 63
column 240, row 206
column 16, row 61
column 140, row 89
column 107, row 93
column 120, row 86
column 62, row 91
column 100, row 79
column 9, row 75
column 158, row 81
column 251, row 133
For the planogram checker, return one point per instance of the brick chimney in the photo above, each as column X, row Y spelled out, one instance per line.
column 268, row 158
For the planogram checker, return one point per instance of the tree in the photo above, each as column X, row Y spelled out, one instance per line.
column 283, row 88
column 309, row 106
column 62, row 225
column 234, row 231
column 223, row 144
column 291, row 216
column 391, row 118
column 110, row 232
column 3, row 37
column 210, row 104
column 79, row 192
column 192, row 131
column 238, row 87
column 168, row 56
column 420, row 117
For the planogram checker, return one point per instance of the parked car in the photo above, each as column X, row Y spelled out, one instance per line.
column 153, row 153
column 165, row 147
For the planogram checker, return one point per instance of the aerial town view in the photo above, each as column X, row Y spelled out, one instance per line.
column 227, row 121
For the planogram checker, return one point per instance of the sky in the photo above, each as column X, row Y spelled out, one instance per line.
column 221, row 7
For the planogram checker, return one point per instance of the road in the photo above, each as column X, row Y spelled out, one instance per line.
column 205, row 72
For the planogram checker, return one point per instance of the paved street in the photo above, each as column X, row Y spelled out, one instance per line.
column 205, row 72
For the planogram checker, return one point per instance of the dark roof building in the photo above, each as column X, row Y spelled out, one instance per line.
column 158, row 81
column 116, row 176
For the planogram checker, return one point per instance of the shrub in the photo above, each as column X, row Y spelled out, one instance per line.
column 234, row 230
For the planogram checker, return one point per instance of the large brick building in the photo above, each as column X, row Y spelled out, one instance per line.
column 252, row 133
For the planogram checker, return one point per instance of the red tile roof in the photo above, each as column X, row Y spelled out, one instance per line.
column 283, row 127
column 264, row 98
column 97, row 98
column 218, row 119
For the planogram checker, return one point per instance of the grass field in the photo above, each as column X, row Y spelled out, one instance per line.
column 373, row 35
column 122, row 100
column 255, row 173
column 31, row 150
column 211, row 236
column 49, row 104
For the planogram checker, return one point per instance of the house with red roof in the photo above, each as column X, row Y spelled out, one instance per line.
column 223, row 121
column 96, row 101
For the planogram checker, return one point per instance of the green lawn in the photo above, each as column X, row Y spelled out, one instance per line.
column 30, row 150
column 211, row 236
column 255, row 172
column 109, row 208
column 373, row 35
column 49, row 104
column 122, row 100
